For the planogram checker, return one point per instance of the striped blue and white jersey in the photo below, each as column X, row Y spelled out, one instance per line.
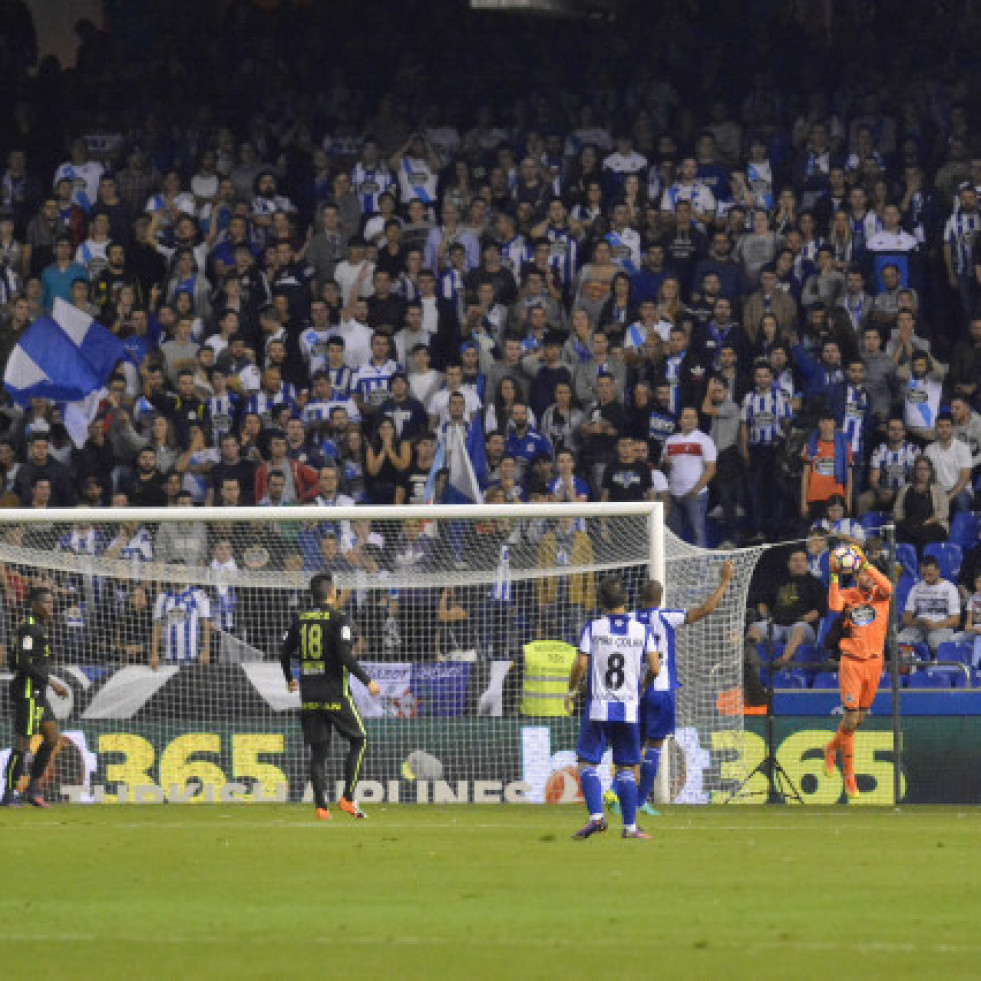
column 895, row 466
column 858, row 404
column 317, row 413
column 341, row 380
column 763, row 415
column 223, row 410
column 563, row 255
column 617, row 646
column 371, row 383
column 369, row 184
column 179, row 613
column 663, row 624
column 264, row 405
column 959, row 233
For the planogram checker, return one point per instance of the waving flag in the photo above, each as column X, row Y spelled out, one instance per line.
column 67, row 358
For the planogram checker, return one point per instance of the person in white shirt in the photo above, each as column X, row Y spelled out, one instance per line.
column 933, row 608
column 356, row 333
column 439, row 404
column 967, row 428
column 951, row 459
column 691, row 460
column 355, row 274
column 626, row 160
column 412, row 334
column 424, row 380
column 83, row 173
column 688, row 188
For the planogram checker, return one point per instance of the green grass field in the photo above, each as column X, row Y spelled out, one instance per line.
column 489, row 891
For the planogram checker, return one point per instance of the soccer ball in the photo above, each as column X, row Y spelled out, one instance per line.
column 848, row 559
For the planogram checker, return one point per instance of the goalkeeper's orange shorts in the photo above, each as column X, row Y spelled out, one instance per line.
column 859, row 681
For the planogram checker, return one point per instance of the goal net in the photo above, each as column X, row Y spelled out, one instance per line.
column 168, row 625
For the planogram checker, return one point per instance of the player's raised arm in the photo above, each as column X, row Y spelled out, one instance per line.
column 653, row 657
column 882, row 581
column 712, row 603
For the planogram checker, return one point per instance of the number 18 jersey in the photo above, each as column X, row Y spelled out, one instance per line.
column 617, row 647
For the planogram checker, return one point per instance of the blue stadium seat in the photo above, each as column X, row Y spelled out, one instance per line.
column 872, row 521
column 826, row 679
column 807, row 653
column 930, row 678
column 903, row 587
column 825, row 626
column 789, row 679
column 948, row 555
column 906, row 555
column 964, row 528
column 951, row 650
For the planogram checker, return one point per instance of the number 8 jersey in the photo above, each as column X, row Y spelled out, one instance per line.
column 617, row 647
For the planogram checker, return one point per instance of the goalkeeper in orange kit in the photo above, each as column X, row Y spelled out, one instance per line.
column 865, row 611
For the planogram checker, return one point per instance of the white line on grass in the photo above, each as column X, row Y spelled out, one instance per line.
column 578, row 942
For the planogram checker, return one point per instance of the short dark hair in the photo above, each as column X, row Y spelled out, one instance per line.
column 612, row 593
column 321, row 586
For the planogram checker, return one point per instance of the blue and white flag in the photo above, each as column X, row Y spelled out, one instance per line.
column 66, row 357
column 453, row 453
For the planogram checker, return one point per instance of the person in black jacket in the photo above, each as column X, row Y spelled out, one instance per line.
column 32, row 713
column 321, row 638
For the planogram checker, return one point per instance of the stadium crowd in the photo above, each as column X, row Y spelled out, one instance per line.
column 729, row 265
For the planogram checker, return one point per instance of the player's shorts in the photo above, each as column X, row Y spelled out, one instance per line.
column 319, row 719
column 859, row 681
column 622, row 737
column 656, row 713
column 29, row 713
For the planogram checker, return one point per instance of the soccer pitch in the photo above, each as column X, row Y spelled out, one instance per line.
column 489, row 891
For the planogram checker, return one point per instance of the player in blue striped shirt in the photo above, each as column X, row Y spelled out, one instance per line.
column 616, row 655
column 657, row 715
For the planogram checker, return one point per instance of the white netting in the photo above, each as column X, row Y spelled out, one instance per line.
column 167, row 632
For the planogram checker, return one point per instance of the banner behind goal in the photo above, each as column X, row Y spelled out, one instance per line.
column 168, row 625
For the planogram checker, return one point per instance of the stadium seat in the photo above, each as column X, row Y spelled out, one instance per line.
column 789, row 679
column 872, row 521
column 903, row 587
column 952, row 650
column 964, row 529
column 807, row 653
column 826, row 679
column 906, row 554
column 948, row 555
column 930, row 678
column 825, row 625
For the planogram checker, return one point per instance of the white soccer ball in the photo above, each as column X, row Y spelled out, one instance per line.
column 848, row 559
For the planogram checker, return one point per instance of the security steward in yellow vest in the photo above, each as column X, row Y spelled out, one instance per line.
column 547, row 666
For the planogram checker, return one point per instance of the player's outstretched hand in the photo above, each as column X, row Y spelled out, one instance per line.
column 374, row 689
column 293, row 685
column 725, row 573
column 59, row 689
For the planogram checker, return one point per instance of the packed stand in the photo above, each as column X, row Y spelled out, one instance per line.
column 754, row 300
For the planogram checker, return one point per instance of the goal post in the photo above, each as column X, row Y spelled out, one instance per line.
column 168, row 624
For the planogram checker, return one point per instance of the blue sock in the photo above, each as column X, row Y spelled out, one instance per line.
column 626, row 788
column 592, row 790
column 648, row 773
